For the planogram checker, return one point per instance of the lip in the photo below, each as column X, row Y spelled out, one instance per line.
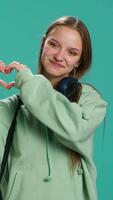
column 56, row 64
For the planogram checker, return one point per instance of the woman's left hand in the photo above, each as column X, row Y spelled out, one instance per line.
column 14, row 65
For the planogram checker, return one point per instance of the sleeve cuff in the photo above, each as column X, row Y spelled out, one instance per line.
column 22, row 77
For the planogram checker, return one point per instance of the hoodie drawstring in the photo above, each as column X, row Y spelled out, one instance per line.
column 48, row 178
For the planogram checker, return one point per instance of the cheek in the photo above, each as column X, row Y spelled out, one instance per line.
column 74, row 61
column 47, row 52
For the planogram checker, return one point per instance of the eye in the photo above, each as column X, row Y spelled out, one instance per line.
column 53, row 44
column 73, row 53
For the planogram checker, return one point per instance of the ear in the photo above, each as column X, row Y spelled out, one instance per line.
column 77, row 65
column 79, row 62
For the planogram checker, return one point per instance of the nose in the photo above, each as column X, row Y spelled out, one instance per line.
column 59, row 55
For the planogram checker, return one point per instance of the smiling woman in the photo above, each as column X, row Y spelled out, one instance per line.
column 51, row 156
column 61, row 54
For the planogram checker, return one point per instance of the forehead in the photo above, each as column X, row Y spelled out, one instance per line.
column 65, row 35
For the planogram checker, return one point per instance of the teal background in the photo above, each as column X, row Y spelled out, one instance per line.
column 22, row 25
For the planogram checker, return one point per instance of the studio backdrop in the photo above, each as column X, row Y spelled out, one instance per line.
column 22, row 25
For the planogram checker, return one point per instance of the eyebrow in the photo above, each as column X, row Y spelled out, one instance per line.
column 75, row 49
column 72, row 48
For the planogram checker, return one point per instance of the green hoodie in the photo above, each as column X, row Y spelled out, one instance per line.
column 48, row 126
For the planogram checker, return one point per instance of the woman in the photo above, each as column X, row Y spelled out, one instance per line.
column 51, row 155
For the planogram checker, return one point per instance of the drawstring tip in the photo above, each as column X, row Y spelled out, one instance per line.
column 48, row 178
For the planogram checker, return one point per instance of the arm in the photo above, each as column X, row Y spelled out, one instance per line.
column 7, row 110
column 72, row 124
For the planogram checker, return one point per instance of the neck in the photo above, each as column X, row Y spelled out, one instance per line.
column 54, row 80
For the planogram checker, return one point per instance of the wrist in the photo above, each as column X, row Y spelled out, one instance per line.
column 22, row 77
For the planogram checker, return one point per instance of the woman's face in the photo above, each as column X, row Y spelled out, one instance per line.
column 61, row 52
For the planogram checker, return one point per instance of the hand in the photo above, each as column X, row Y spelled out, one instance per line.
column 14, row 65
column 3, row 83
column 7, row 85
column 8, row 69
column 2, row 67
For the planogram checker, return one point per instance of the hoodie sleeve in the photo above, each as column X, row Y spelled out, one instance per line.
column 7, row 109
column 72, row 123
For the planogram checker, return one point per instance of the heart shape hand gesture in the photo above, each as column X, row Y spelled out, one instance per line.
column 7, row 69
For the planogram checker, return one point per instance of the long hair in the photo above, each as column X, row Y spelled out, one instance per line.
column 85, row 60
column 86, row 56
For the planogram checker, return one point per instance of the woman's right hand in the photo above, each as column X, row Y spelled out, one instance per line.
column 7, row 85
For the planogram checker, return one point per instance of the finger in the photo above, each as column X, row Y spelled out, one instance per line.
column 5, row 85
column 2, row 66
column 17, row 66
column 8, row 69
column 15, row 63
column 10, row 85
